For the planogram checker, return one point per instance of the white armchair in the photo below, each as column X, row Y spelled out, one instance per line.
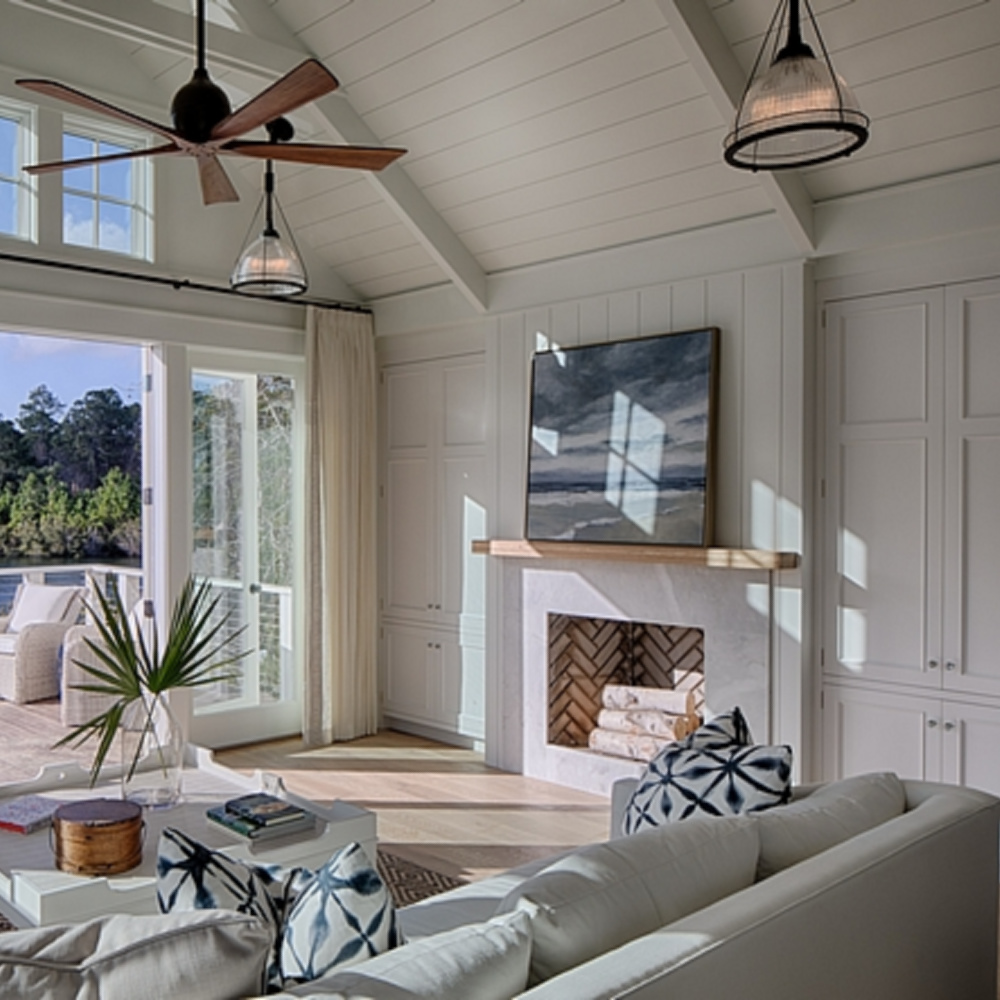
column 30, row 640
column 75, row 706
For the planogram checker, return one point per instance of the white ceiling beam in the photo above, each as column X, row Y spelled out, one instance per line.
column 722, row 76
column 158, row 26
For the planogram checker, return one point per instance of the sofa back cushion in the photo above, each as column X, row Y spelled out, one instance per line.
column 604, row 895
column 487, row 961
column 831, row 814
column 197, row 956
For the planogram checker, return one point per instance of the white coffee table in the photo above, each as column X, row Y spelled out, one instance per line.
column 34, row 893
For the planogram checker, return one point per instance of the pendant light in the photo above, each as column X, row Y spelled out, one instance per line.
column 268, row 265
column 798, row 111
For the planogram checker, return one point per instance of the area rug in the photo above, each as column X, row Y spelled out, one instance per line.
column 409, row 882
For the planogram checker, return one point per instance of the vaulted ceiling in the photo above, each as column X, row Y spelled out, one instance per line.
column 540, row 130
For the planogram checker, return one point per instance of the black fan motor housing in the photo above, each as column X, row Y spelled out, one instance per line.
column 198, row 107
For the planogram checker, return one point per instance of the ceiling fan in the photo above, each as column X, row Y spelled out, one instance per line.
column 204, row 125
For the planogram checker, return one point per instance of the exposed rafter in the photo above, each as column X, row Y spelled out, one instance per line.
column 155, row 25
column 722, row 76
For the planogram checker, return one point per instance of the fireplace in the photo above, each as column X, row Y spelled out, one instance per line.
column 730, row 610
column 587, row 654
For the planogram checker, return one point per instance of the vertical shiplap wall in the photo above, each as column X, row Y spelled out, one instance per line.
column 761, row 455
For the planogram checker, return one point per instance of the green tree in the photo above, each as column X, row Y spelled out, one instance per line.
column 114, row 514
column 98, row 433
column 15, row 455
column 38, row 419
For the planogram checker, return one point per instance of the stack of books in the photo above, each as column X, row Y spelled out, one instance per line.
column 27, row 813
column 260, row 816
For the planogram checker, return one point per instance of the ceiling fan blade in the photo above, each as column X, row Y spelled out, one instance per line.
column 303, row 84
column 132, row 154
column 357, row 157
column 63, row 93
column 215, row 183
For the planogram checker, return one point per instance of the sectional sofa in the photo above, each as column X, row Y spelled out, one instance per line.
column 869, row 889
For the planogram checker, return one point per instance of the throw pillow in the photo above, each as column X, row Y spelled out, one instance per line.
column 831, row 814
column 681, row 782
column 344, row 914
column 197, row 956
column 39, row 602
column 604, row 895
column 727, row 729
column 191, row 876
column 487, row 961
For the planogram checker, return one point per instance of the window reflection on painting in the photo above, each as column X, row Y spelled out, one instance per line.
column 622, row 440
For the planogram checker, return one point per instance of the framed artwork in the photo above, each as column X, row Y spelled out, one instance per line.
column 621, row 441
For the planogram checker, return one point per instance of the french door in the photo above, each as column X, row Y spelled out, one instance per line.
column 246, row 450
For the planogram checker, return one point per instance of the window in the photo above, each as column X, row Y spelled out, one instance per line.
column 105, row 205
column 17, row 143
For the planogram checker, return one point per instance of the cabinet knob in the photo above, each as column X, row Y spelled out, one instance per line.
column 933, row 664
column 950, row 665
column 932, row 723
column 437, row 607
column 949, row 726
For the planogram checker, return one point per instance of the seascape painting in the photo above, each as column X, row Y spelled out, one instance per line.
column 621, row 441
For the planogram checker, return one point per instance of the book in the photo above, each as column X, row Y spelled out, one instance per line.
column 265, row 809
column 248, row 829
column 27, row 813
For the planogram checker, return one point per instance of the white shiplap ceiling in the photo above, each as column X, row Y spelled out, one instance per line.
column 544, row 129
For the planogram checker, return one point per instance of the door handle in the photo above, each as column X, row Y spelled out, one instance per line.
column 256, row 588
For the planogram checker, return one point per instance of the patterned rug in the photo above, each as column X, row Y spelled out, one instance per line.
column 407, row 882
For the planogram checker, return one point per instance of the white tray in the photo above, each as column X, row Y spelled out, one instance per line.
column 33, row 892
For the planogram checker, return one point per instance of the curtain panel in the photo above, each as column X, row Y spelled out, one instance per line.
column 341, row 682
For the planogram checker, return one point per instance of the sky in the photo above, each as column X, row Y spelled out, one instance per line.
column 68, row 367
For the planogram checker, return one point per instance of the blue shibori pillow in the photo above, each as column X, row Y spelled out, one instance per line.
column 343, row 915
column 715, row 771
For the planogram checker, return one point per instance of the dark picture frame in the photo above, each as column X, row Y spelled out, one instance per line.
column 622, row 441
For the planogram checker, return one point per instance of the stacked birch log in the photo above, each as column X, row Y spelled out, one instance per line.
column 638, row 722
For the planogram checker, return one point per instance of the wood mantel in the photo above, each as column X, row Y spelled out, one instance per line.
column 713, row 558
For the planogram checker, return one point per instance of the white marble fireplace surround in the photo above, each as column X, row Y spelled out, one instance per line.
column 730, row 605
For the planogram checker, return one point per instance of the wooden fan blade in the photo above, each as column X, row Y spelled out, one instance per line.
column 63, row 93
column 303, row 84
column 132, row 154
column 215, row 183
column 357, row 157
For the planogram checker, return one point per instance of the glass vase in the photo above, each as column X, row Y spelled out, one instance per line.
column 152, row 752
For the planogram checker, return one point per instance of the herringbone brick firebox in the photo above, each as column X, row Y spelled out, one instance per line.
column 587, row 653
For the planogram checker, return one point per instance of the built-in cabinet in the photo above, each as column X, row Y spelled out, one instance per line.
column 911, row 499
column 433, row 498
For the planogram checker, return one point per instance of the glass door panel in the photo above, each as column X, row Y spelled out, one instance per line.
column 245, row 453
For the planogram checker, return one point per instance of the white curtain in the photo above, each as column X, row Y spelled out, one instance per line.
column 341, row 684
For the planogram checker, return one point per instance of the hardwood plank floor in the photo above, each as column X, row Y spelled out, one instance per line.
column 437, row 805
column 27, row 735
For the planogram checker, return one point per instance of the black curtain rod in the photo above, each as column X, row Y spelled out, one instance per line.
column 178, row 284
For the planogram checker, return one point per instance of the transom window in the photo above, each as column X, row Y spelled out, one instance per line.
column 16, row 189
column 105, row 205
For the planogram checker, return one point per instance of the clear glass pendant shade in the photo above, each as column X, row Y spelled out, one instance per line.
column 797, row 112
column 268, row 266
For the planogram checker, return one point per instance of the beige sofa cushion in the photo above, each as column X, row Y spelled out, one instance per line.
column 487, row 961
column 607, row 894
column 830, row 815
column 197, row 956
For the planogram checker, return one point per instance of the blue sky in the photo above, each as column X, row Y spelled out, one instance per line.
column 68, row 367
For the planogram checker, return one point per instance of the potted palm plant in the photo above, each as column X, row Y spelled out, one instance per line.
column 137, row 674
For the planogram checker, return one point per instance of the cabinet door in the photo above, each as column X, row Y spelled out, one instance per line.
column 971, row 746
column 412, row 674
column 409, row 483
column 971, row 650
column 867, row 730
column 883, row 506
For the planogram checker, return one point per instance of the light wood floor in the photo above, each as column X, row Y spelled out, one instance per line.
column 437, row 805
